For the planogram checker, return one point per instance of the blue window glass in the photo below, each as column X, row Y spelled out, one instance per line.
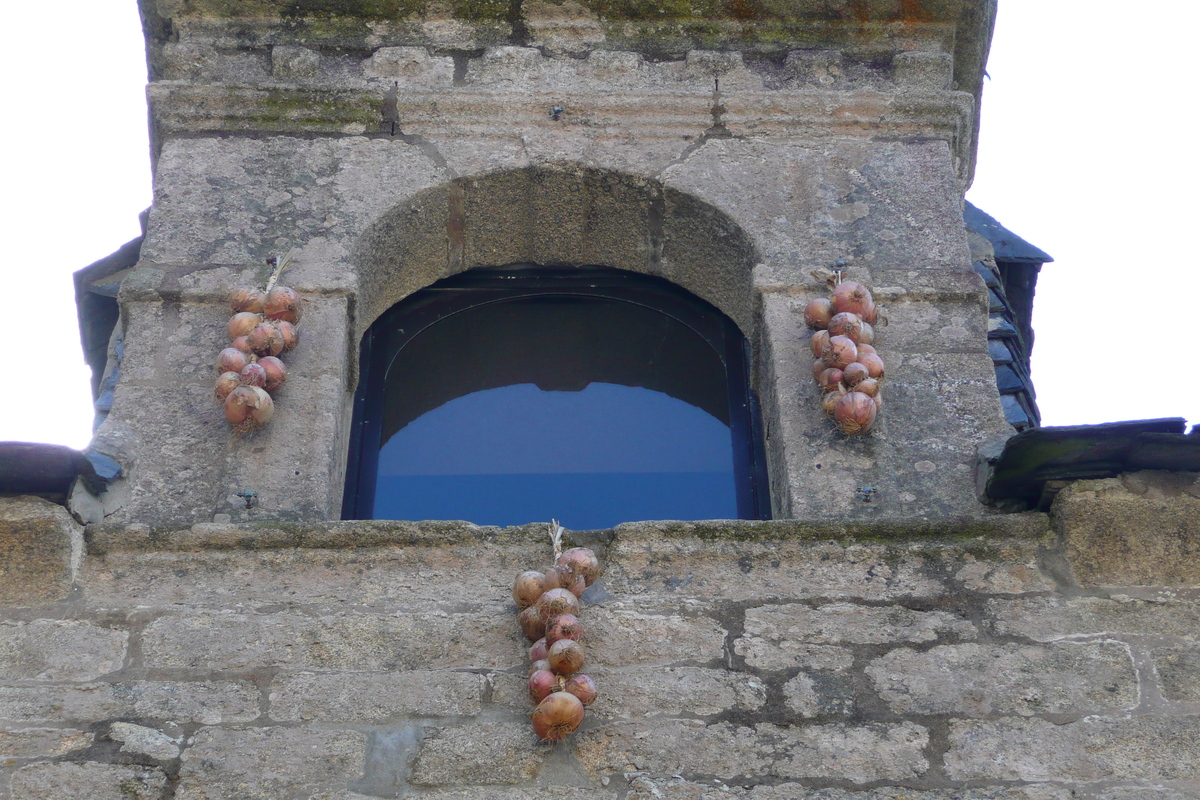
column 593, row 397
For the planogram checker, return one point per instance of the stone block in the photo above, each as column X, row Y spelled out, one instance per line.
column 1140, row 529
column 857, row 753
column 59, row 650
column 651, row 788
column 1046, row 619
column 479, row 754
column 619, row 636
column 269, row 763
column 820, row 694
column 980, row 680
column 42, row 742
column 375, row 697
column 203, row 702
column 516, row 793
column 39, row 542
column 1004, row 577
column 1178, row 671
column 143, row 741
column 290, row 63
column 761, row 653
column 336, row 641
column 1092, row 749
column 643, row 562
column 674, row 692
column 55, row 780
column 846, row 623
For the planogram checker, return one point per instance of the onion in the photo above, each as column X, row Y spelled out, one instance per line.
column 557, row 716
column 846, row 324
column 242, row 323
column 564, row 626
column 854, row 415
column 532, row 625
column 554, row 602
column 527, row 588
column 247, row 298
column 566, row 655
column 232, row 360
column 840, row 352
column 864, row 347
column 557, row 578
column 831, row 400
column 248, row 408
column 582, row 687
column 818, row 342
column 283, row 303
column 818, row 312
column 276, row 373
column 878, row 402
column 226, row 384
column 291, row 336
column 868, row 386
column 830, row 379
column 582, row 562
column 874, row 365
column 242, row 343
column 539, row 650
column 817, row 368
column 541, row 684
column 266, row 339
column 541, row 663
column 854, row 373
column 867, row 336
column 253, row 375
column 855, row 298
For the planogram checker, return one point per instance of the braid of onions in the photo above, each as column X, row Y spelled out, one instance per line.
column 549, row 617
column 847, row 369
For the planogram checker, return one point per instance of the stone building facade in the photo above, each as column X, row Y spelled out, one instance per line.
column 166, row 639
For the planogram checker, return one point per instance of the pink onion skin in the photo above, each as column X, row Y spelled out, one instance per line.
column 232, row 360
column 581, row 561
column 868, row 386
column 864, row 348
column 541, row 684
column 253, row 375
column 582, row 687
column 242, row 323
column 817, row 342
column 541, row 663
column 556, row 601
column 291, row 336
column 539, row 650
column 247, row 298
column 854, row 373
column 829, row 404
column 853, row 297
column 855, row 414
column 276, row 373
column 830, row 380
column 564, row 626
column 846, row 324
column 557, row 717
column 226, row 384
column 566, row 655
column 867, row 335
column 283, row 303
column 840, row 352
column 527, row 588
column 818, row 313
column 532, row 624
column 817, row 368
column 874, row 365
column 266, row 339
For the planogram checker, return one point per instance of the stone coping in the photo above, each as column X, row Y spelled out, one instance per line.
column 270, row 535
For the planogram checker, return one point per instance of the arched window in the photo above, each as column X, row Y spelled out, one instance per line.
column 591, row 396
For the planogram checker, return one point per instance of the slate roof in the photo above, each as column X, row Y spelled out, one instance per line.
column 1011, row 284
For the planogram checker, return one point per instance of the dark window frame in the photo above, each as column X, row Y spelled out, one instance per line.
column 411, row 316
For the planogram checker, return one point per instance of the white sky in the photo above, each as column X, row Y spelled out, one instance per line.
column 1084, row 152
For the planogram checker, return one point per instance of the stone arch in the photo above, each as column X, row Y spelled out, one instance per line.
column 561, row 215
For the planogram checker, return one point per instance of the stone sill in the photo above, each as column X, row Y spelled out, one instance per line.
column 270, row 535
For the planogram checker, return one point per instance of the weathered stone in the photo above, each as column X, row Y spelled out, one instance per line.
column 204, row 702
column 763, row 654
column 64, row 650
column 337, row 641
column 648, row 788
column 478, row 754
column 855, row 753
column 514, row 793
column 820, row 695
column 1142, row 528
column 845, row 623
column 1001, row 577
column 374, row 696
column 620, row 636
column 42, row 742
column 268, row 763
column 53, row 780
column 1046, row 619
column 643, row 563
column 979, row 680
column 1092, row 749
column 674, row 691
column 39, row 544
column 144, row 741
column 1178, row 672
